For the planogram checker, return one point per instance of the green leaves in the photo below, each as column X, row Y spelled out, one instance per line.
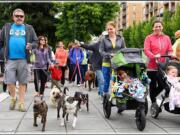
column 134, row 36
column 82, row 20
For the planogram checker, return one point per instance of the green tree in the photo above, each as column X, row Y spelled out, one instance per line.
column 126, row 35
column 132, row 42
column 81, row 20
column 39, row 15
column 167, row 24
column 175, row 21
column 139, row 40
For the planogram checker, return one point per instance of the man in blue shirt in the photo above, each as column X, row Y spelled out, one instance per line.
column 17, row 39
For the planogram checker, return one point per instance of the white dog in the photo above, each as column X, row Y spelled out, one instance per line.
column 54, row 92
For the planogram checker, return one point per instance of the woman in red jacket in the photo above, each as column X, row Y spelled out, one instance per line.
column 61, row 56
column 156, row 45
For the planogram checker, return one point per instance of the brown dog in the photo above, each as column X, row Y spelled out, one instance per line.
column 90, row 78
column 40, row 108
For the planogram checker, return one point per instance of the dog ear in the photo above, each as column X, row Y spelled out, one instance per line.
column 65, row 88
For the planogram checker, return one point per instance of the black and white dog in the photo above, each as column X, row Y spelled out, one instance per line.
column 68, row 104
column 82, row 99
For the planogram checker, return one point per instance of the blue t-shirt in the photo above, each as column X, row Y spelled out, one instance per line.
column 17, row 42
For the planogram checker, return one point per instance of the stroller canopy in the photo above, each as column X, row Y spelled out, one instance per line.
column 127, row 56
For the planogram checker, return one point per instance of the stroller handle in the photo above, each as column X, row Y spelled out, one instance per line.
column 168, row 56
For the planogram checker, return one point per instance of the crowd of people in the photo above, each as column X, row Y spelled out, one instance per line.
column 20, row 41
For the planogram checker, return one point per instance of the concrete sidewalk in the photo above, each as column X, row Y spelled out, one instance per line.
column 16, row 122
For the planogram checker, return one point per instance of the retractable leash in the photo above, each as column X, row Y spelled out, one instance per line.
column 77, row 66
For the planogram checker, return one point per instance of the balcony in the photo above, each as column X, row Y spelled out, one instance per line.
column 123, row 14
column 165, row 2
column 146, row 11
column 155, row 6
column 123, row 7
column 147, row 3
column 151, row 10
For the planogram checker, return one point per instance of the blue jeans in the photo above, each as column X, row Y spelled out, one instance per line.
column 100, row 79
column 107, row 76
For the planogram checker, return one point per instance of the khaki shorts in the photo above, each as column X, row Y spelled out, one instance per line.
column 16, row 70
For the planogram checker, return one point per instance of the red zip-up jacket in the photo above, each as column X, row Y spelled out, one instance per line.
column 156, row 44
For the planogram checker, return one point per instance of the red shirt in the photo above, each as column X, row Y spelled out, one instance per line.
column 156, row 44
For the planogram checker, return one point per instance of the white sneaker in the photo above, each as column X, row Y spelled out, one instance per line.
column 78, row 85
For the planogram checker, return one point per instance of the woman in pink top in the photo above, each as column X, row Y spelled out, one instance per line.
column 156, row 45
column 61, row 55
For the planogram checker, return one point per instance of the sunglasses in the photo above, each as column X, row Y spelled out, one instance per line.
column 109, row 29
column 19, row 16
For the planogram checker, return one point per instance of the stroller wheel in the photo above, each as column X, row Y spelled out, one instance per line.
column 154, row 110
column 140, row 118
column 106, row 106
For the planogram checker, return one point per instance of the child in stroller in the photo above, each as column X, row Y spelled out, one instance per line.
column 134, row 86
column 174, row 94
column 171, row 84
column 123, row 76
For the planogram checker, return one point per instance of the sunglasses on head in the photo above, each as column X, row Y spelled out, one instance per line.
column 19, row 16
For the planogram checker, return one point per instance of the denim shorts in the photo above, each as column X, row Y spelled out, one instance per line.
column 16, row 70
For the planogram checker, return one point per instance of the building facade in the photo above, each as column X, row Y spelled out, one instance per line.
column 134, row 12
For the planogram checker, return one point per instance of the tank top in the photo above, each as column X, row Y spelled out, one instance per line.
column 178, row 50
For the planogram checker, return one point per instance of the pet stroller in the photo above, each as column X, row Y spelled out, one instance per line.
column 132, row 95
column 155, row 109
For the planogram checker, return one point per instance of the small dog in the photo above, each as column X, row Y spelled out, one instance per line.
column 59, row 98
column 82, row 99
column 40, row 108
column 70, row 106
column 53, row 96
column 90, row 78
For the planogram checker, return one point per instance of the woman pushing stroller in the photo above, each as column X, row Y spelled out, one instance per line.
column 156, row 45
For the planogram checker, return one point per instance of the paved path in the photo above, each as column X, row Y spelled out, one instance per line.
column 88, row 122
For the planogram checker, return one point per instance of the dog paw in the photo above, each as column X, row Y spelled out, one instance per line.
column 73, row 126
column 62, row 124
column 35, row 125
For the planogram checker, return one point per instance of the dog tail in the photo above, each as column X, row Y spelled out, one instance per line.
column 65, row 89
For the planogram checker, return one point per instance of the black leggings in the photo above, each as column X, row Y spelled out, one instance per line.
column 156, row 85
column 39, row 75
column 63, row 75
